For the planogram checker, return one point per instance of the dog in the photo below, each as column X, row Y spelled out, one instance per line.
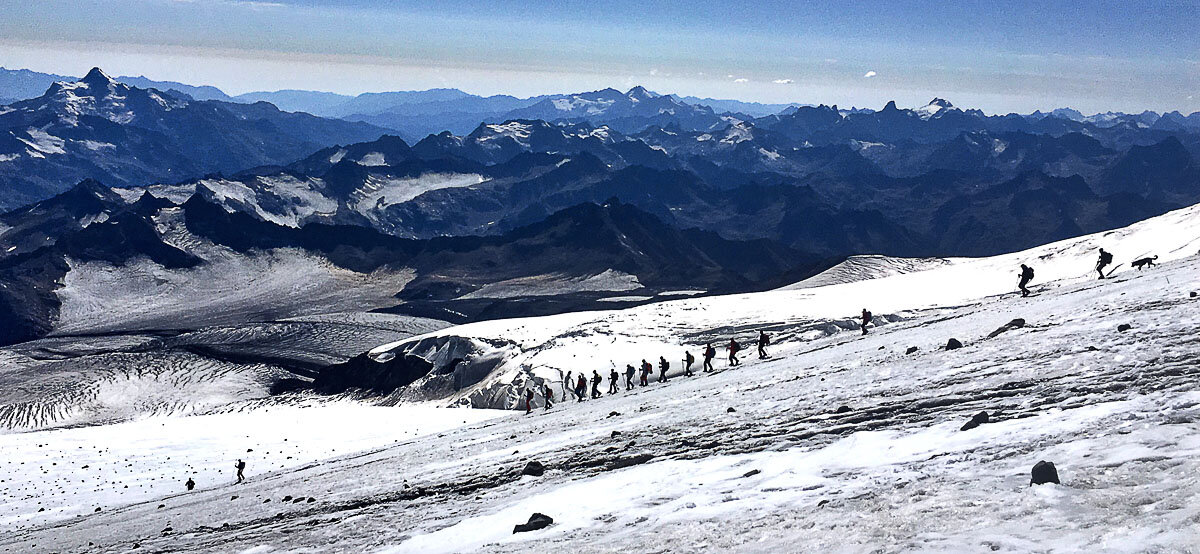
column 1144, row 262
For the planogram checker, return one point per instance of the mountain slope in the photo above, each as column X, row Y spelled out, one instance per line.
column 775, row 455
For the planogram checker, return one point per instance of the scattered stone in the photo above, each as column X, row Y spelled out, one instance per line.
column 614, row 414
column 976, row 420
column 1192, row 294
column 536, row 521
column 298, row 500
column 1044, row 472
column 911, row 350
column 287, row 498
column 232, row 498
column 1124, row 327
column 311, row 500
column 751, row 473
column 161, row 506
column 266, row 501
column 843, row 410
column 249, row 450
column 97, row 508
column 953, row 344
column 1014, row 324
column 534, row 468
column 730, row 410
column 167, row 530
column 41, row 509
column 822, row 503
column 615, row 434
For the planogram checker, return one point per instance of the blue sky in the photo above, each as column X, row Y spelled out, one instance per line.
column 996, row 55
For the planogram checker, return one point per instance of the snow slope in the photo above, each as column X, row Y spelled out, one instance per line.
column 546, row 348
column 835, row 443
column 108, row 466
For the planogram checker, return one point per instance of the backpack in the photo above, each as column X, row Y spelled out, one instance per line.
column 734, row 346
column 1106, row 257
column 867, row 316
column 1028, row 273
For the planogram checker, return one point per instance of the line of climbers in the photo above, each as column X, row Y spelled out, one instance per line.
column 580, row 384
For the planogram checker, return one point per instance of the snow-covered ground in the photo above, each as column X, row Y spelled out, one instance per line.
column 837, row 442
column 71, row 472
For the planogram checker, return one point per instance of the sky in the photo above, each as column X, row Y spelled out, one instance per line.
column 999, row 55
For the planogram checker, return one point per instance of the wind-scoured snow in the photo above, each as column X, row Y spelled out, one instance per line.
column 97, row 296
column 862, row 268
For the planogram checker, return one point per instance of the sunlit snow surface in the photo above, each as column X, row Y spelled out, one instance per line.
column 670, row 468
column 74, row 471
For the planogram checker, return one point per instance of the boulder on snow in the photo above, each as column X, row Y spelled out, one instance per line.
column 730, row 410
column 534, row 468
column 1192, row 294
column 976, row 420
column 536, row 521
column 953, row 344
column 1014, row 324
column 911, row 350
column 1044, row 472
column 1124, row 327
column 843, row 410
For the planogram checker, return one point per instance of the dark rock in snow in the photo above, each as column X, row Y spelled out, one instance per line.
column 843, row 410
column 953, row 344
column 1192, row 294
column 911, row 350
column 536, row 521
column 976, row 420
column 534, row 468
column 1124, row 327
column 1044, row 472
column 615, row 434
column 730, row 410
column 1014, row 324
column 614, row 414
column 751, row 473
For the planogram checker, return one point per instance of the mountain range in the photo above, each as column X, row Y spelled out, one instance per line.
column 98, row 128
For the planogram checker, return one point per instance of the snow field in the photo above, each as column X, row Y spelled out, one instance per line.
column 71, row 472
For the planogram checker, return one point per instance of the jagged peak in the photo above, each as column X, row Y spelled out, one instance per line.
column 639, row 93
column 97, row 77
column 940, row 102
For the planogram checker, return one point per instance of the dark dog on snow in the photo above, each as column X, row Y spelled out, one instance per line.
column 1144, row 262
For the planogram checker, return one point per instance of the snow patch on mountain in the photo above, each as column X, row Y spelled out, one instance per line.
column 372, row 159
column 380, row 192
column 550, row 285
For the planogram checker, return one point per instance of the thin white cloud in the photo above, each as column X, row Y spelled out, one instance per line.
column 741, row 80
column 783, row 81
column 869, row 75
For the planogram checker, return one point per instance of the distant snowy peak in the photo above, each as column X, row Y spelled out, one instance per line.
column 97, row 94
column 933, row 108
column 639, row 93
